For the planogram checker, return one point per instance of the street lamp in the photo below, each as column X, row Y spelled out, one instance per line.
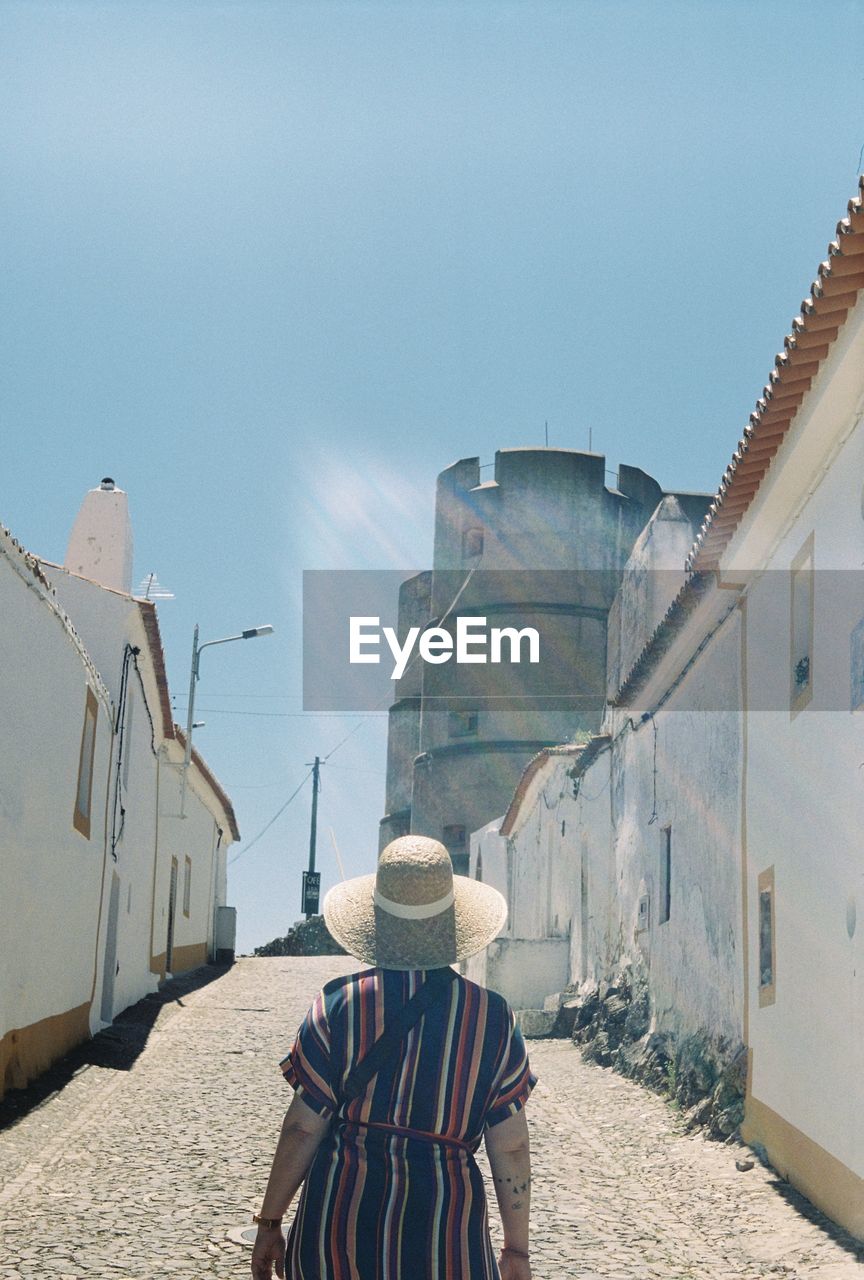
column 250, row 634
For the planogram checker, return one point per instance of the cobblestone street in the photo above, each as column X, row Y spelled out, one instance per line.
column 147, row 1173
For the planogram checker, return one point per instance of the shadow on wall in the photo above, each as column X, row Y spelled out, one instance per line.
column 117, row 1048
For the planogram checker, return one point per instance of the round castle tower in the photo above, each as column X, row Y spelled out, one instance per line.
column 541, row 545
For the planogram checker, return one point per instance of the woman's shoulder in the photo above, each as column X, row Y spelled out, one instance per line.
column 346, row 982
column 498, row 1008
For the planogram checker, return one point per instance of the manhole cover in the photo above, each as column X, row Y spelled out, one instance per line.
column 244, row 1235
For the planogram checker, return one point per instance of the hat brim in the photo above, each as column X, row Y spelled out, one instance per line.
column 477, row 916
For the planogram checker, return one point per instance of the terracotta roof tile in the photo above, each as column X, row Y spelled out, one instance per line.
column 212, row 781
column 662, row 637
column 150, row 620
column 536, row 763
column 833, row 293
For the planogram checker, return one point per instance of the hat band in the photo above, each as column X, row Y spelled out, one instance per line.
column 420, row 912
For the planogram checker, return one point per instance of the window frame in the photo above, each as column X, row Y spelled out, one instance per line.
column 766, row 890
column 471, row 535
column 187, row 886
column 664, row 897
column 81, row 817
column 463, row 723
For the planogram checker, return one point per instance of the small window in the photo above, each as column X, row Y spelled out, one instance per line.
column 84, row 791
column 643, row 914
column 456, row 842
column 453, row 837
column 767, row 939
column 187, row 886
column 472, row 544
column 463, row 724
column 801, row 627
column 665, row 904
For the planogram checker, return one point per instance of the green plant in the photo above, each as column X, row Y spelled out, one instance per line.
column 671, row 1078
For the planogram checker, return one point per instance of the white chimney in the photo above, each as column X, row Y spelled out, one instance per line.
column 100, row 544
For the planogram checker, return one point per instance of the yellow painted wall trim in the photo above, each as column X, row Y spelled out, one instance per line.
column 157, row 965
column 190, row 957
column 28, row 1051
column 829, row 1184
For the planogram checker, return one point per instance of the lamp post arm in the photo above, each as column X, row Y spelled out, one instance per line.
column 224, row 640
column 190, row 720
column 193, row 680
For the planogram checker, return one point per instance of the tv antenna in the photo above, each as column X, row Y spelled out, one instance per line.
column 150, row 588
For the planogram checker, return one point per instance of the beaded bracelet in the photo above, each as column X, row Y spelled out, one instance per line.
column 517, row 1253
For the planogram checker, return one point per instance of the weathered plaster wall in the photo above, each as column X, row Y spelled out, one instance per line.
column 580, row 865
column 523, row 970
column 681, row 771
column 595, row 929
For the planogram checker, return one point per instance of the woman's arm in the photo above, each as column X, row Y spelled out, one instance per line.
column 302, row 1132
column 508, row 1148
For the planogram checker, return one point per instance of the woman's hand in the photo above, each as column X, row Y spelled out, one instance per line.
column 269, row 1247
column 512, row 1267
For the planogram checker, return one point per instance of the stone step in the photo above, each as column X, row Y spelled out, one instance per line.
column 535, row 1024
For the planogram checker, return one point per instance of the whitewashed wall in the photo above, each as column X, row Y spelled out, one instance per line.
column 541, row 876
column 805, row 789
column 195, row 835
column 581, row 865
column 108, row 621
column 51, row 876
column 595, row 940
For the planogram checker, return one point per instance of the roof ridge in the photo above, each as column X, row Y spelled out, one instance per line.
column 839, row 278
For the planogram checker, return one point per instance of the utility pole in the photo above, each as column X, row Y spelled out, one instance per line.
column 312, row 878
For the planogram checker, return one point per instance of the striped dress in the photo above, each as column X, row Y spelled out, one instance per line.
column 383, row 1205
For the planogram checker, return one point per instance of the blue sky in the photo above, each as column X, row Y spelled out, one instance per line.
column 274, row 265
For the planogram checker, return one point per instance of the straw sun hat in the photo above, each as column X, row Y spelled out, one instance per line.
column 414, row 913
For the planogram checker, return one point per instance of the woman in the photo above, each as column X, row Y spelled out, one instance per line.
column 392, row 1191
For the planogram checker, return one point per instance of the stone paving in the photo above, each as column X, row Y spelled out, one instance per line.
column 150, row 1173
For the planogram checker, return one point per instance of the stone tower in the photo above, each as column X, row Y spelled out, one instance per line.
column 547, row 541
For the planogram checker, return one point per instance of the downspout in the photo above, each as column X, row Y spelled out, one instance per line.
column 214, row 872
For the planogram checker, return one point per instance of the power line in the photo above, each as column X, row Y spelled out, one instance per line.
column 360, row 718
column 282, row 715
column 342, row 741
column 276, row 815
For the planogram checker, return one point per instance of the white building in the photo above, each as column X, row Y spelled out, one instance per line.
column 105, row 889
column 787, row 526
column 708, row 840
